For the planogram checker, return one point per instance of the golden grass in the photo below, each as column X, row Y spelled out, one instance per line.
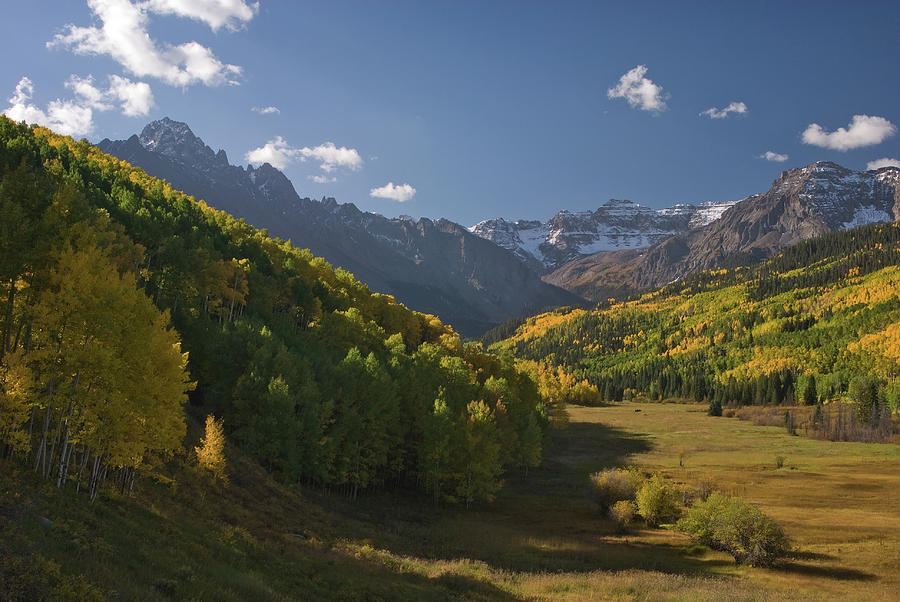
column 836, row 500
column 542, row 539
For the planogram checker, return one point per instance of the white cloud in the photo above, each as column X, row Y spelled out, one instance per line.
column 69, row 117
column 322, row 179
column 330, row 156
column 863, row 131
column 231, row 14
column 879, row 163
column 735, row 107
column 84, row 89
column 280, row 154
column 401, row 193
column 773, row 156
column 639, row 91
column 275, row 152
column 75, row 117
column 136, row 97
column 123, row 36
column 266, row 110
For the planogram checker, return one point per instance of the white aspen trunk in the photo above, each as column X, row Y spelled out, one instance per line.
column 95, row 479
column 63, row 456
column 98, row 474
column 42, row 447
column 63, row 435
column 65, row 471
column 84, row 461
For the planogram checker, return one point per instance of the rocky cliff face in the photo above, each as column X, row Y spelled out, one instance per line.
column 435, row 266
column 802, row 203
column 615, row 225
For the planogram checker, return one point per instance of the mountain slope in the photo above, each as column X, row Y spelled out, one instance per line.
column 801, row 204
column 314, row 376
column 432, row 266
column 827, row 308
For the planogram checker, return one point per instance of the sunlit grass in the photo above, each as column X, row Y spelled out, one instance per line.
column 541, row 539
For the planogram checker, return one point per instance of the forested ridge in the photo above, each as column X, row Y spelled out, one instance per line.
column 123, row 298
column 820, row 322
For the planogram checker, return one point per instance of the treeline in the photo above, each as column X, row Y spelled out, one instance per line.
column 108, row 273
column 809, row 326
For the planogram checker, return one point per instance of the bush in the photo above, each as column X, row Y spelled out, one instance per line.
column 622, row 512
column 614, row 485
column 735, row 526
column 657, row 501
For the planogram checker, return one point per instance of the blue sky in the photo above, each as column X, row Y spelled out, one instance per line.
column 482, row 109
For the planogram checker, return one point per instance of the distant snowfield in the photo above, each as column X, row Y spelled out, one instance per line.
column 615, row 225
column 863, row 216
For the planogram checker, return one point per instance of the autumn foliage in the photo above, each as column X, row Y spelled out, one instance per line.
column 120, row 296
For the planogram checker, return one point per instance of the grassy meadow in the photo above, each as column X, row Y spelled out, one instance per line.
column 541, row 539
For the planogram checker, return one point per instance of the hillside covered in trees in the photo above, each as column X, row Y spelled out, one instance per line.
column 820, row 322
column 126, row 301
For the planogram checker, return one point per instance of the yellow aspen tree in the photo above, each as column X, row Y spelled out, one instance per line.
column 116, row 376
column 211, row 452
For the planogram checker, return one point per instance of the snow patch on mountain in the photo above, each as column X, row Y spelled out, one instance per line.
column 617, row 224
column 863, row 216
column 709, row 211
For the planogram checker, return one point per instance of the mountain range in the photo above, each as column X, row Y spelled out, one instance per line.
column 615, row 225
column 432, row 266
column 801, row 204
column 477, row 277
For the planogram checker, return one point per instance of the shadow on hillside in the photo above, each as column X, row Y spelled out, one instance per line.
column 574, row 453
column 827, row 572
column 593, row 441
column 804, row 555
column 540, row 523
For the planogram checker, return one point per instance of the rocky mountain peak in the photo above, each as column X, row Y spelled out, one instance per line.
column 841, row 197
column 175, row 140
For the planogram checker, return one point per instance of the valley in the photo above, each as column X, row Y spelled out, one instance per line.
column 541, row 539
column 413, row 301
column 413, row 465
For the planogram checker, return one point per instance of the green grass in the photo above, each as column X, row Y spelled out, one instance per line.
column 541, row 539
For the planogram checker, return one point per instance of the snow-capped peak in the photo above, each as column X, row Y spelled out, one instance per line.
column 616, row 224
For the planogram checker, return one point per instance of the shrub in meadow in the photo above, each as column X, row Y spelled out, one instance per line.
column 614, row 485
column 657, row 501
column 735, row 526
